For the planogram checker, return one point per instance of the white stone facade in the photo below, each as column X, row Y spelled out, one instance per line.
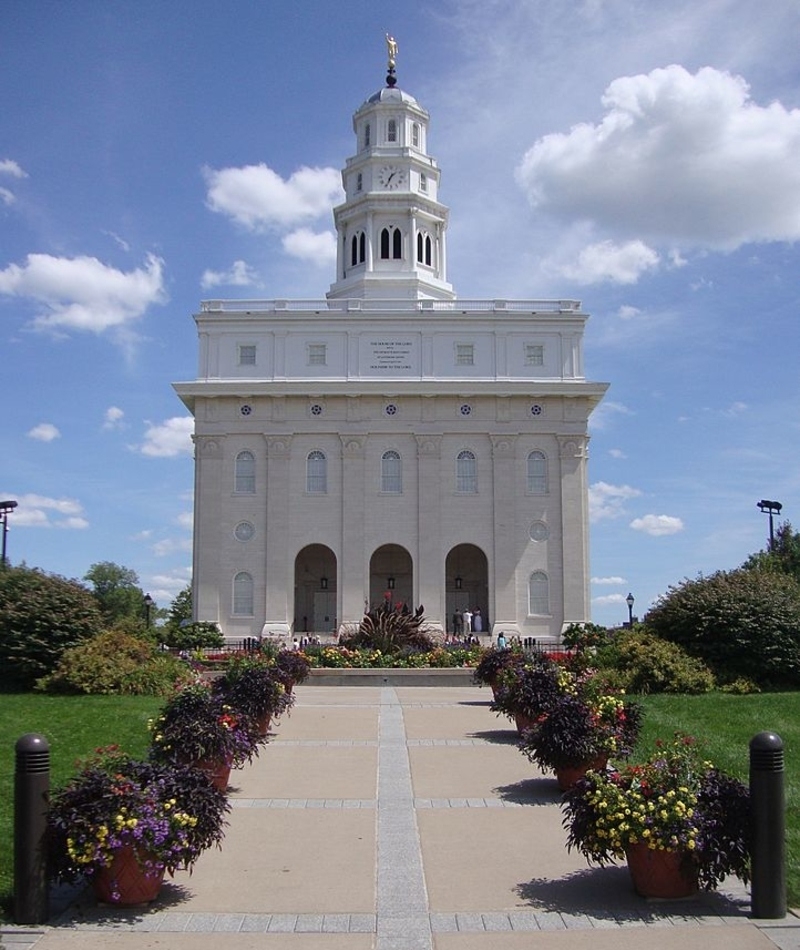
column 391, row 441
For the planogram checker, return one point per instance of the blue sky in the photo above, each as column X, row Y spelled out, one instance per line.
column 640, row 157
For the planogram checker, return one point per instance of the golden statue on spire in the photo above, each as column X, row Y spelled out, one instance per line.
column 391, row 49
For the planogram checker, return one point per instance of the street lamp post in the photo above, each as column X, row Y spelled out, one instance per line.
column 630, row 601
column 6, row 507
column 148, row 606
column 770, row 508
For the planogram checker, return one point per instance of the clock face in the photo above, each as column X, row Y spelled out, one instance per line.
column 390, row 176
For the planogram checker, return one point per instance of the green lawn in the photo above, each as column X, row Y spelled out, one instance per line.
column 74, row 726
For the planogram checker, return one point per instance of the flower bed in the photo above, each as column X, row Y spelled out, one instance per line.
column 335, row 657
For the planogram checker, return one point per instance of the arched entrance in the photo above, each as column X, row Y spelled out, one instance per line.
column 391, row 576
column 466, row 574
column 315, row 590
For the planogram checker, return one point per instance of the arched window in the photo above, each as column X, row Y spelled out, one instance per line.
column 358, row 247
column 245, row 473
column 428, row 252
column 391, row 472
column 243, row 595
column 367, row 135
column 423, row 181
column 316, row 473
column 385, row 244
column 391, row 244
column 354, row 251
column 415, row 135
column 537, row 473
column 466, row 472
column 397, row 244
column 538, row 593
column 391, row 133
column 359, row 182
column 362, row 248
column 419, row 247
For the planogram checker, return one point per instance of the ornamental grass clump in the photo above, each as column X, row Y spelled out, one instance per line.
column 674, row 801
column 167, row 814
column 197, row 724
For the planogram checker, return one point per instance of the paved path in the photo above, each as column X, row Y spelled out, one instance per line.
column 401, row 819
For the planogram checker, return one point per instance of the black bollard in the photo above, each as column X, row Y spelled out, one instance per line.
column 31, row 793
column 768, row 855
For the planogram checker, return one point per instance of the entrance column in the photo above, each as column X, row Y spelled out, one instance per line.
column 280, row 582
column 429, row 573
column 353, row 562
column 573, row 455
column 503, row 599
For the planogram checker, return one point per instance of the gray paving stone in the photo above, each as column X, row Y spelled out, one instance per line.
column 228, row 923
column 255, row 923
column 362, row 923
column 469, row 923
column 201, row 923
column 282, row 923
column 496, row 922
column 309, row 923
column 173, row 922
column 336, row 923
column 443, row 923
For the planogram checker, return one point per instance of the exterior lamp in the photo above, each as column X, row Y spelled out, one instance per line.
column 6, row 507
column 390, row 583
column 148, row 606
column 459, row 583
column 323, row 583
column 630, row 600
column 770, row 508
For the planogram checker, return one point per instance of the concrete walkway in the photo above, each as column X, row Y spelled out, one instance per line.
column 401, row 819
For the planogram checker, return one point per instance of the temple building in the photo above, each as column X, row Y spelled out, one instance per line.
column 393, row 440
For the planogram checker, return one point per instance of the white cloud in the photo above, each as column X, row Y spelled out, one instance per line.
column 607, row 261
column 7, row 197
column 9, row 167
column 310, row 246
column 657, row 525
column 257, row 197
column 169, row 438
column 626, row 312
column 82, row 293
column 678, row 159
column 608, row 580
column 39, row 511
column 171, row 545
column 617, row 454
column 240, row 274
column 608, row 501
column 186, row 520
column 607, row 409
column 114, row 418
column 609, row 600
column 44, row 432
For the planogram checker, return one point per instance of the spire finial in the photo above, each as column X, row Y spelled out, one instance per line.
column 391, row 50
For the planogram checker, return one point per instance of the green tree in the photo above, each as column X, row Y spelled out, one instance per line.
column 117, row 591
column 782, row 555
column 741, row 623
column 180, row 609
column 41, row 615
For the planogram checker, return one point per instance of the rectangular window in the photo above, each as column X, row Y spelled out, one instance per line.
column 534, row 354
column 247, row 354
column 423, row 182
column 317, row 354
column 465, row 354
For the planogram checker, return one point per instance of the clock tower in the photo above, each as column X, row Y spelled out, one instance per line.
column 391, row 227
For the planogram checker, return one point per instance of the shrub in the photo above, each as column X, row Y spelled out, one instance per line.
column 192, row 636
column 115, row 662
column 41, row 615
column 639, row 662
column 740, row 623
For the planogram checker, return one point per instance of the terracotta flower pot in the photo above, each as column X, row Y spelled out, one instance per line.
column 523, row 722
column 218, row 771
column 127, row 881
column 568, row 775
column 663, row 874
column 262, row 723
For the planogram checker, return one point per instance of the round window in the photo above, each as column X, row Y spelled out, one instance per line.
column 316, row 409
column 246, row 410
column 539, row 531
column 244, row 531
column 466, row 409
column 391, row 409
column 536, row 410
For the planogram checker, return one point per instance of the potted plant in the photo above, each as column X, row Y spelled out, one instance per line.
column 124, row 822
column 293, row 667
column 680, row 822
column 492, row 663
column 252, row 686
column 577, row 733
column 197, row 726
column 525, row 691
